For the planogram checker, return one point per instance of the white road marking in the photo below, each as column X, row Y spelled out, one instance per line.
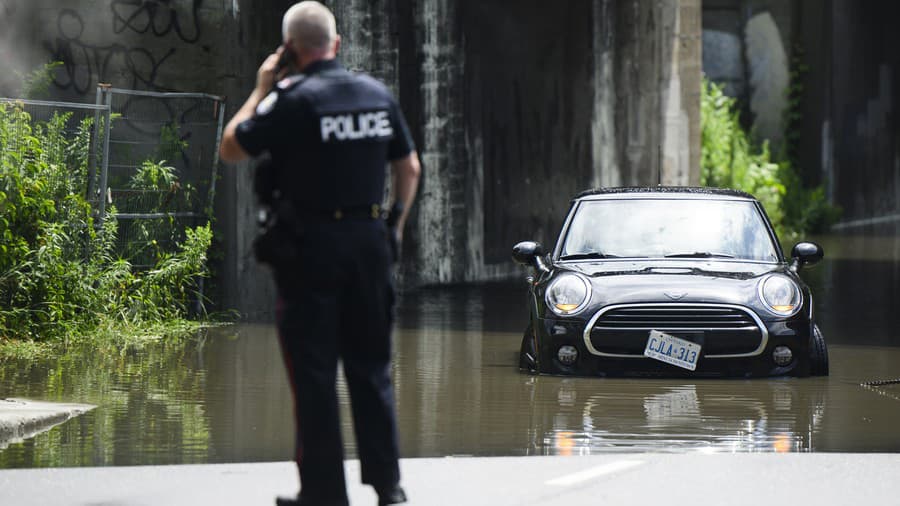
column 587, row 474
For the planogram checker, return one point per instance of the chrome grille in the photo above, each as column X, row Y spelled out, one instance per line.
column 687, row 317
column 722, row 330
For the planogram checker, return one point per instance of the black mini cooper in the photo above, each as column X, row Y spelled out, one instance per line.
column 670, row 282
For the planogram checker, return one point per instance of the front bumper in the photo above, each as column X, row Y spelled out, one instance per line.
column 552, row 333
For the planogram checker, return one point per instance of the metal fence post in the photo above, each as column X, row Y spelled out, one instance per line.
column 104, row 171
column 220, row 111
column 220, row 116
column 92, row 155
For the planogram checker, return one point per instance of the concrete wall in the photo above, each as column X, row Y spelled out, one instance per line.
column 208, row 46
column 852, row 136
column 849, row 134
column 521, row 107
column 747, row 45
column 514, row 107
column 528, row 112
column 156, row 45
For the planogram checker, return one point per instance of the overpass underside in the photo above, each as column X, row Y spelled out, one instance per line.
column 516, row 107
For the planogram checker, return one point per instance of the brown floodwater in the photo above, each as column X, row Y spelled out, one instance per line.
column 223, row 397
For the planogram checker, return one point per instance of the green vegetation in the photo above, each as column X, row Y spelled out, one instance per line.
column 155, row 188
column 36, row 85
column 149, row 393
column 731, row 158
column 61, row 278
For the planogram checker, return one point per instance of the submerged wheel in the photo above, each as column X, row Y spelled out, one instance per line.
column 818, row 354
column 527, row 353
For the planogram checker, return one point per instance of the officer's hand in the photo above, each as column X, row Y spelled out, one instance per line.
column 395, row 240
column 268, row 72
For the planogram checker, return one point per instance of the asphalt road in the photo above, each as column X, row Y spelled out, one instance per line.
column 632, row 479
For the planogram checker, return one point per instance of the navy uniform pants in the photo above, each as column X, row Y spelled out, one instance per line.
column 337, row 303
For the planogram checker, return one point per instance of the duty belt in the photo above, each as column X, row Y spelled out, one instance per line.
column 369, row 212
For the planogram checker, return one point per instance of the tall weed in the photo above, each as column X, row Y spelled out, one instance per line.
column 730, row 158
column 60, row 275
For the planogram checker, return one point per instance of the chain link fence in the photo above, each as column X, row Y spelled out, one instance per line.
column 160, row 167
column 72, row 123
column 155, row 169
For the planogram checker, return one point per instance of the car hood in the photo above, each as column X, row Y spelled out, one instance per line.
column 683, row 281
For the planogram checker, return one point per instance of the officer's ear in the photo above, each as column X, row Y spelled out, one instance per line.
column 337, row 44
column 289, row 55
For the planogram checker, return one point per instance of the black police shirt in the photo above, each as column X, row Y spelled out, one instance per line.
column 330, row 133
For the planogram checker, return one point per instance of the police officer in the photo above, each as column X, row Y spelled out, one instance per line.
column 330, row 134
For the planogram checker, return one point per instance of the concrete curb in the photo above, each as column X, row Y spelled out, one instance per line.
column 614, row 479
column 22, row 419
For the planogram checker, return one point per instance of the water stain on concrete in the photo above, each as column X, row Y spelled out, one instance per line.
column 22, row 419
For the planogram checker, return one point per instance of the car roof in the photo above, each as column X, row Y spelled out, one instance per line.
column 693, row 192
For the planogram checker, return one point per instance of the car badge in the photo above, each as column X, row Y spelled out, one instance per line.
column 675, row 295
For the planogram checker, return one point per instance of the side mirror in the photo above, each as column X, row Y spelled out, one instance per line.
column 529, row 253
column 805, row 254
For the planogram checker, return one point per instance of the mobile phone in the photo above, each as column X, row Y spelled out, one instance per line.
column 287, row 58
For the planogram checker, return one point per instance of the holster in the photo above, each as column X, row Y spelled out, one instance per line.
column 278, row 243
column 280, row 231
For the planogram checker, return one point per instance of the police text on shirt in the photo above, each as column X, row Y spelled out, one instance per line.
column 351, row 127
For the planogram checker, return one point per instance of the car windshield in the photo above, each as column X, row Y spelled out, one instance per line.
column 673, row 228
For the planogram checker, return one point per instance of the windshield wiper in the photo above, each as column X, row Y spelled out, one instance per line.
column 699, row 254
column 586, row 256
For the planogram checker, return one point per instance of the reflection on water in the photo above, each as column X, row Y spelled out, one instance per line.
column 858, row 288
column 222, row 397
column 129, row 390
column 710, row 417
column 494, row 411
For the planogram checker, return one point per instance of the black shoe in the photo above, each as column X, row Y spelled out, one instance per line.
column 391, row 495
column 302, row 501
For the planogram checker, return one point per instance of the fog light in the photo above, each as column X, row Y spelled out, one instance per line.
column 782, row 355
column 567, row 355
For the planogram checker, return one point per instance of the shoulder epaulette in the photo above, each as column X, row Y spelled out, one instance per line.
column 290, row 81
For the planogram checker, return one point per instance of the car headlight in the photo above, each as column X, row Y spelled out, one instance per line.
column 568, row 294
column 780, row 295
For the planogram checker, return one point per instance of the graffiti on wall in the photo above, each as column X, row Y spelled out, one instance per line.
column 159, row 17
column 87, row 62
column 84, row 62
column 130, row 44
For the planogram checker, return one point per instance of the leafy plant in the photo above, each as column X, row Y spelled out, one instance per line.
column 155, row 189
column 60, row 275
column 36, row 85
column 731, row 158
column 171, row 144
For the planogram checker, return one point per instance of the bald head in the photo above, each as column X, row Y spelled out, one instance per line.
column 310, row 25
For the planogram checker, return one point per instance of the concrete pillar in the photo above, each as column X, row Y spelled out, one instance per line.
column 680, row 104
column 251, row 31
column 440, row 225
column 607, row 171
column 369, row 42
column 658, row 59
column 503, row 113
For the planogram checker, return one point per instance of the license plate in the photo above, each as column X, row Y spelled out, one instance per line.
column 672, row 350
